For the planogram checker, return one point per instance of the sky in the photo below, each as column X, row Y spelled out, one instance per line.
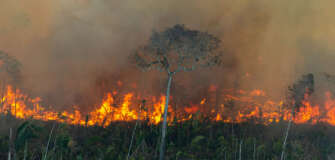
column 66, row 45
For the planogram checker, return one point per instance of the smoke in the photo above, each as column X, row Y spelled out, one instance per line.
column 66, row 45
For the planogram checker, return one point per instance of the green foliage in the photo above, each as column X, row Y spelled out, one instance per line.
column 3, row 144
column 25, row 132
column 193, row 139
column 197, row 142
column 63, row 142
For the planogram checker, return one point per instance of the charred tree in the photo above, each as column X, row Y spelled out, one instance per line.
column 174, row 50
column 297, row 93
column 302, row 88
column 10, row 72
column 10, row 67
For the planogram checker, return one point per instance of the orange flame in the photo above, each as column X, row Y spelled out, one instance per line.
column 246, row 105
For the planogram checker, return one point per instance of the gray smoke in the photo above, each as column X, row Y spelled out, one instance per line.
column 66, row 45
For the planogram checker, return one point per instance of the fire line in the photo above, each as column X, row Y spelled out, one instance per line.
column 234, row 109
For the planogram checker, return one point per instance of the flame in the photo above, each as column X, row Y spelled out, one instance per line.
column 203, row 101
column 257, row 92
column 235, row 108
column 191, row 110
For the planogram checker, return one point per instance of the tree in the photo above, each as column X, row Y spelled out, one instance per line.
column 10, row 66
column 298, row 92
column 174, row 50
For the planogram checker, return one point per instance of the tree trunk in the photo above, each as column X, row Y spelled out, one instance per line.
column 254, row 154
column 14, row 101
column 47, row 147
column 9, row 144
column 3, row 92
column 285, row 139
column 161, row 148
column 133, row 134
column 240, row 154
column 286, row 134
column 25, row 152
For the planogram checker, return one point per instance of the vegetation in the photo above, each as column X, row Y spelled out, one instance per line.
column 9, row 67
column 175, row 50
column 297, row 92
column 193, row 139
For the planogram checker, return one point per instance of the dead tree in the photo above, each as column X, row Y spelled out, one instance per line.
column 10, row 71
column 10, row 66
column 297, row 92
column 303, row 87
column 174, row 50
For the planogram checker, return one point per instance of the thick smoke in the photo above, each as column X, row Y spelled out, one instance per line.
column 66, row 45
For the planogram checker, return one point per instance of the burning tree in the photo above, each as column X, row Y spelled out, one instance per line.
column 10, row 71
column 9, row 68
column 174, row 50
column 298, row 92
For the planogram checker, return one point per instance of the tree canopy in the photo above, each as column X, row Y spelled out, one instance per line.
column 10, row 66
column 179, row 49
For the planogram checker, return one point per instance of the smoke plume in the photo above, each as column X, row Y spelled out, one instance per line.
column 68, row 47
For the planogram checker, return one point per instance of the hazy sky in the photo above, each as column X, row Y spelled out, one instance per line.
column 64, row 44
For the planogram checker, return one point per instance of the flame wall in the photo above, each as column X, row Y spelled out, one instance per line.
column 231, row 106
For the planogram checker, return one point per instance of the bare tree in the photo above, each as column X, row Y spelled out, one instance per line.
column 297, row 92
column 11, row 66
column 10, row 70
column 174, row 50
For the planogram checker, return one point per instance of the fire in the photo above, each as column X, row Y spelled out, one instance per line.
column 238, row 107
column 257, row 92
column 203, row 101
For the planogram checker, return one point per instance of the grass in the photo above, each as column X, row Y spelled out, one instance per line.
column 193, row 139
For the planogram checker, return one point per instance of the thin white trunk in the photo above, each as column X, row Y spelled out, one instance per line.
column 25, row 150
column 133, row 134
column 286, row 135
column 3, row 90
column 14, row 101
column 240, row 155
column 10, row 143
column 47, row 147
column 164, row 125
column 254, row 154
